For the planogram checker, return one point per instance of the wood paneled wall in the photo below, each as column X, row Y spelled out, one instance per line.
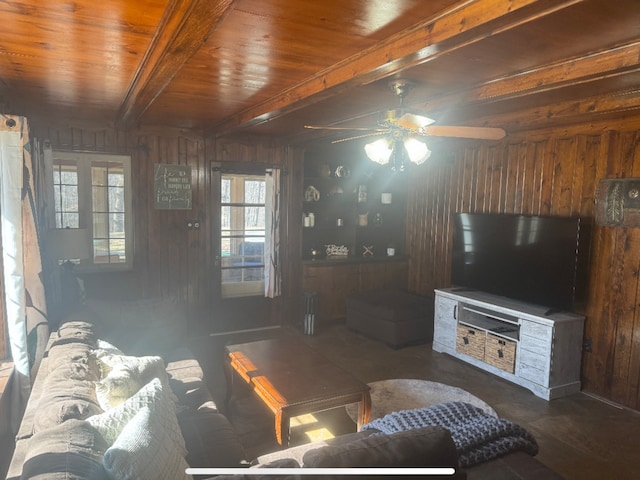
column 171, row 260
column 545, row 173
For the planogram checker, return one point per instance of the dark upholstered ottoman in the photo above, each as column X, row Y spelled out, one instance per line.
column 395, row 317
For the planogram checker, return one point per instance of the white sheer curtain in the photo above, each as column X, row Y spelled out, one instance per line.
column 24, row 300
column 272, row 269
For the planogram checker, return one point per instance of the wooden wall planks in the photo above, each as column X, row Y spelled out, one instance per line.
column 545, row 174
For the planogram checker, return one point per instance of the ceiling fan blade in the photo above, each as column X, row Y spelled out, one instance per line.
column 372, row 134
column 484, row 133
column 413, row 121
column 363, row 129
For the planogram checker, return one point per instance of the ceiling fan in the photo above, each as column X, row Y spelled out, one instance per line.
column 401, row 129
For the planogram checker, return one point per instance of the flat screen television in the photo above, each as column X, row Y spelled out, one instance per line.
column 534, row 259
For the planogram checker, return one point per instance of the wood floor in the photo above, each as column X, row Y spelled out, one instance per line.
column 580, row 437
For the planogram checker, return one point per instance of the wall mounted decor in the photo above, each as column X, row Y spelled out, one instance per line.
column 617, row 202
column 172, row 187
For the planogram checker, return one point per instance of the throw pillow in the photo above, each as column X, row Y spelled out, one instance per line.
column 117, row 387
column 150, row 365
column 146, row 449
column 124, row 375
column 111, row 423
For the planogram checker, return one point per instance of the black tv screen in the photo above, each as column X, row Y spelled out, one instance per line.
column 528, row 258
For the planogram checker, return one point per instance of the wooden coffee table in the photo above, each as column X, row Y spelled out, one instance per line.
column 293, row 379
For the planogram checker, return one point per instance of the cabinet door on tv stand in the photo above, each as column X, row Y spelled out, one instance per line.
column 444, row 325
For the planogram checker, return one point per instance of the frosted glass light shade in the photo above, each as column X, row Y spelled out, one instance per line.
column 379, row 151
column 418, row 152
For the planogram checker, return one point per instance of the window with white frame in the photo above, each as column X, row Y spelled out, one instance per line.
column 92, row 198
column 242, row 234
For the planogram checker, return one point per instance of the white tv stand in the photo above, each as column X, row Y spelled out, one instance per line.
column 520, row 342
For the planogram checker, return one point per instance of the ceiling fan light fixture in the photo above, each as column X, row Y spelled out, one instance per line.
column 379, row 151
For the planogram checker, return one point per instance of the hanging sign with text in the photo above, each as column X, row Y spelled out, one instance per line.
column 172, row 187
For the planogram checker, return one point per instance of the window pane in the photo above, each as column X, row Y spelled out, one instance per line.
column 253, row 274
column 100, row 251
column 254, row 191
column 237, row 275
column 71, row 220
column 116, row 251
column 100, row 225
column 98, row 176
column 116, row 176
column 69, row 175
column 69, row 197
column 232, row 275
column 225, row 218
column 116, row 225
column 225, row 190
column 57, row 199
column 65, row 194
column 225, row 247
column 116, row 199
column 100, row 199
column 254, row 218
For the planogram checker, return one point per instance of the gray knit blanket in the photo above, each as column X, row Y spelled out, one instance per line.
column 478, row 436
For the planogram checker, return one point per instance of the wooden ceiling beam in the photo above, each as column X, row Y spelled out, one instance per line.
column 566, row 73
column 184, row 28
column 567, row 112
column 463, row 24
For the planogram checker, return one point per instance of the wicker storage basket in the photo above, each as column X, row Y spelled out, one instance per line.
column 500, row 352
column 470, row 341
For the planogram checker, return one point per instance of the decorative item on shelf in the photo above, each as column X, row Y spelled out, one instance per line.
column 311, row 194
column 362, row 193
column 309, row 220
column 377, row 219
column 337, row 251
column 391, row 250
column 342, row 172
column 367, row 250
column 336, row 190
column 386, row 198
column 324, row 170
column 315, row 253
column 363, row 219
column 339, row 222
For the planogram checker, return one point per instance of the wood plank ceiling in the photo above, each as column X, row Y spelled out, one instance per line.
column 270, row 67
